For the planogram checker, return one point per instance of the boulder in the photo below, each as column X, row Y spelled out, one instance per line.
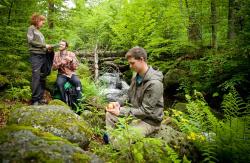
column 172, row 77
column 58, row 120
column 115, row 89
column 27, row 144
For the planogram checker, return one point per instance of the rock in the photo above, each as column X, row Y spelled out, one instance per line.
column 170, row 135
column 177, row 140
column 58, row 102
column 27, row 144
column 115, row 88
column 58, row 120
column 172, row 77
column 181, row 106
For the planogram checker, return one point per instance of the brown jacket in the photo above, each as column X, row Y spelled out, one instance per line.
column 147, row 98
column 36, row 41
column 65, row 69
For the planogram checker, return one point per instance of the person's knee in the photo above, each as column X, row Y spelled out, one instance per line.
column 60, row 83
column 109, row 116
column 77, row 82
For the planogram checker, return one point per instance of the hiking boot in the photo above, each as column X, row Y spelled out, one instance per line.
column 35, row 103
column 105, row 138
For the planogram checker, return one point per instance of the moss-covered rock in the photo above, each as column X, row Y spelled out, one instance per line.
column 57, row 120
column 180, row 106
column 176, row 140
column 58, row 102
column 172, row 77
column 27, row 144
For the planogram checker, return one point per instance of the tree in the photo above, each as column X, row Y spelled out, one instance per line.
column 214, row 24
column 194, row 27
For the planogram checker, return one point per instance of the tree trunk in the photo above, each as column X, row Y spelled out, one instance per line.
column 180, row 4
column 96, row 63
column 194, row 28
column 235, row 21
column 9, row 12
column 51, row 14
column 231, row 20
column 214, row 24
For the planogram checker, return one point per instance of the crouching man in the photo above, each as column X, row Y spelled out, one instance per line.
column 145, row 96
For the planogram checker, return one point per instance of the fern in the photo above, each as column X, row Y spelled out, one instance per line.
column 209, row 152
column 200, row 114
column 16, row 93
column 232, row 136
column 233, row 105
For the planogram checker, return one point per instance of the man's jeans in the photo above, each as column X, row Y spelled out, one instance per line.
column 38, row 81
column 62, row 79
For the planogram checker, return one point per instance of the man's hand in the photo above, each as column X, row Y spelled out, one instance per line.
column 69, row 59
column 114, row 108
column 64, row 62
column 49, row 47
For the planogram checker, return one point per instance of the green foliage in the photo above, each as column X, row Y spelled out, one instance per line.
column 16, row 93
column 199, row 118
column 208, row 152
column 218, row 141
column 233, row 105
column 3, row 80
column 232, row 140
column 215, row 73
column 163, row 27
column 128, row 145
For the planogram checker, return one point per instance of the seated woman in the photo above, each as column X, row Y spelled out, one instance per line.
column 66, row 63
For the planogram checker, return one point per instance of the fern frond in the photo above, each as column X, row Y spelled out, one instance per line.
column 233, row 105
column 209, row 152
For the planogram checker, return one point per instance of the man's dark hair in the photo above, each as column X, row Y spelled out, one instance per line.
column 66, row 43
column 137, row 53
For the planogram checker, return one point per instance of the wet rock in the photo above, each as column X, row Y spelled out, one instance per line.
column 115, row 88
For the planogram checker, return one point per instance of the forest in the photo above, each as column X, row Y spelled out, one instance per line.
column 202, row 47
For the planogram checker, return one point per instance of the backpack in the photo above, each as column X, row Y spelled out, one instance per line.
column 46, row 68
column 70, row 94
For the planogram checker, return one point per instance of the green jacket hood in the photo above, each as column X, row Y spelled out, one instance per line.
column 152, row 74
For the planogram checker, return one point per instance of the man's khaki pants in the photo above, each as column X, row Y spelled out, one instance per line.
column 144, row 128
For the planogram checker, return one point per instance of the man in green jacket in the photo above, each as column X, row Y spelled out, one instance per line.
column 145, row 95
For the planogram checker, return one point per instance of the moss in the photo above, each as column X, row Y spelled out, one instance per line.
column 55, row 119
column 58, row 102
column 3, row 80
column 39, row 133
column 37, row 156
column 79, row 157
column 27, row 144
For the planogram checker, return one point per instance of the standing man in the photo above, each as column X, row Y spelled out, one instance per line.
column 145, row 95
column 66, row 63
column 37, row 48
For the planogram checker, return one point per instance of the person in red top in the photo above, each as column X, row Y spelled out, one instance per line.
column 66, row 63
